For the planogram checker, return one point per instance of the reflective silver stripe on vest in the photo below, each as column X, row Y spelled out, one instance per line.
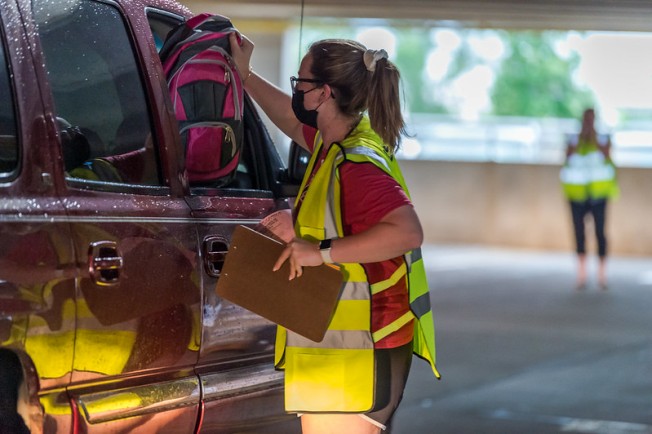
column 421, row 305
column 573, row 176
column 363, row 150
column 330, row 228
column 337, row 339
column 415, row 255
column 584, row 169
column 355, row 291
column 412, row 257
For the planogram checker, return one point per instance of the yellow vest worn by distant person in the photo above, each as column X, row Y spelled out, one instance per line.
column 338, row 374
column 587, row 174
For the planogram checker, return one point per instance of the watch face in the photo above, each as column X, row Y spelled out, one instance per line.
column 325, row 244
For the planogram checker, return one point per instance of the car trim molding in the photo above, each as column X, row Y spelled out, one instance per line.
column 136, row 401
column 237, row 382
column 124, row 219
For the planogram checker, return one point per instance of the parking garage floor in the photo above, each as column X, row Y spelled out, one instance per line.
column 521, row 351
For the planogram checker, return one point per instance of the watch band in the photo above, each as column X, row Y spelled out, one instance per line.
column 325, row 251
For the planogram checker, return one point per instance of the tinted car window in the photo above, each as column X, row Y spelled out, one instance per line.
column 100, row 101
column 8, row 142
column 161, row 23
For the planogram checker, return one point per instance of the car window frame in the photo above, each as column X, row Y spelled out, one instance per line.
column 12, row 174
column 164, row 188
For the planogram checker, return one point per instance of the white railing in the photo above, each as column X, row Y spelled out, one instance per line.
column 514, row 140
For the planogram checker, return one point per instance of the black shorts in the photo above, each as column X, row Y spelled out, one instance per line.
column 392, row 369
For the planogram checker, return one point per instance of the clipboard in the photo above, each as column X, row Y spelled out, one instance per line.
column 303, row 305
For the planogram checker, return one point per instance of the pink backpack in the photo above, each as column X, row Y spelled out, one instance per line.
column 208, row 97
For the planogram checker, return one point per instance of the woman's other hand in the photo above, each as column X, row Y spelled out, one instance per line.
column 300, row 253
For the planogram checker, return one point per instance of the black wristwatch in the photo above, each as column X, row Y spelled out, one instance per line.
column 325, row 250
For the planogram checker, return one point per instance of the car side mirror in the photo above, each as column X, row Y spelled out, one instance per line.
column 290, row 179
column 298, row 163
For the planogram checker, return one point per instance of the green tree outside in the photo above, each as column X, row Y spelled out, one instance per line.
column 531, row 79
column 411, row 61
column 534, row 81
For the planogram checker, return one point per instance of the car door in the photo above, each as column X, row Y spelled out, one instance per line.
column 241, row 391
column 37, row 265
column 139, row 291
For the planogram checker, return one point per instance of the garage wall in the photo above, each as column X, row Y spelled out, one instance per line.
column 520, row 206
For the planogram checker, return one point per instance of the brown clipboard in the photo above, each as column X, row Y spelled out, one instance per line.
column 303, row 305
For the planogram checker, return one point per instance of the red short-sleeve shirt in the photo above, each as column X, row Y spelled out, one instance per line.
column 367, row 195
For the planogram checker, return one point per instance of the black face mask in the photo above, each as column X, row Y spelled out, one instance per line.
column 308, row 117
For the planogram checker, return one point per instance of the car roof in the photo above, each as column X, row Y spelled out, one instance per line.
column 168, row 5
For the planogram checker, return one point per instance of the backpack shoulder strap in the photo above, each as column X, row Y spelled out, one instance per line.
column 199, row 23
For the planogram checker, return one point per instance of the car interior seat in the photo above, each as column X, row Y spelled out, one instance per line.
column 77, row 156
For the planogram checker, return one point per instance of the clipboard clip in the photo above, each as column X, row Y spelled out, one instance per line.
column 333, row 266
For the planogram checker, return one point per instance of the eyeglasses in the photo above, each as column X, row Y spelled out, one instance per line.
column 295, row 80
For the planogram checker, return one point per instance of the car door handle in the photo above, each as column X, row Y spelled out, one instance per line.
column 104, row 263
column 214, row 252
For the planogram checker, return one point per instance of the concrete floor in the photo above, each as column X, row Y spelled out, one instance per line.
column 522, row 352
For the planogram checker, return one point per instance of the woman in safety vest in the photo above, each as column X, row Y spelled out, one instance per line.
column 589, row 180
column 353, row 209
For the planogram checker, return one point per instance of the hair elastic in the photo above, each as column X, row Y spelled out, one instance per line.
column 372, row 56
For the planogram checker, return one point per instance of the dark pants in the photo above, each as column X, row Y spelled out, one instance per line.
column 597, row 208
column 392, row 370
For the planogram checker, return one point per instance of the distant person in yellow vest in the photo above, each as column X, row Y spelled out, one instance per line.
column 589, row 181
column 352, row 209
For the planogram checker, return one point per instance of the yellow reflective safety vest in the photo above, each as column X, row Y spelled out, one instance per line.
column 338, row 373
column 587, row 174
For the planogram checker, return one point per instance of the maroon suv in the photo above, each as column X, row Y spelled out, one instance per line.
column 109, row 321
